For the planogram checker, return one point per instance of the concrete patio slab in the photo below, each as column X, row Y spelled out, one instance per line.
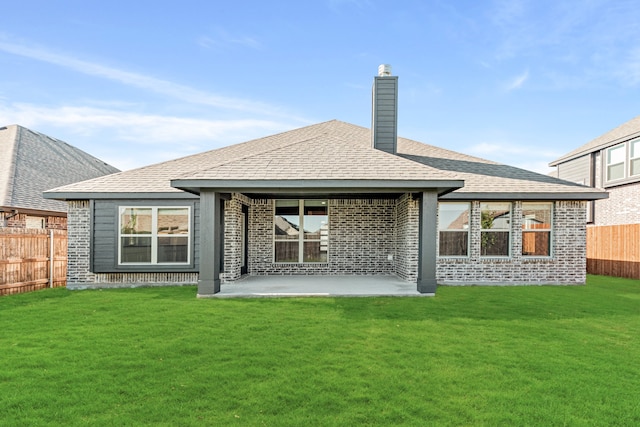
column 318, row 286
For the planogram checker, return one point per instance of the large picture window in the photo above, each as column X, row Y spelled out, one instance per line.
column 453, row 227
column 154, row 235
column 495, row 232
column 536, row 229
column 301, row 231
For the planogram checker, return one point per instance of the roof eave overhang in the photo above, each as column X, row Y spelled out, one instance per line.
column 526, row 196
column 594, row 149
column 311, row 187
column 66, row 196
column 32, row 211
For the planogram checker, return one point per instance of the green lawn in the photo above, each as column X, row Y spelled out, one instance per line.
column 489, row 356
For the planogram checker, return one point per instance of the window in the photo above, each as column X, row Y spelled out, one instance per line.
column 154, row 235
column 536, row 229
column 35, row 222
column 495, row 236
column 615, row 162
column 634, row 158
column 453, row 226
column 301, row 231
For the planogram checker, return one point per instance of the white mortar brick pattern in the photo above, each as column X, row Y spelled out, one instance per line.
column 622, row 206
column 361, row 238
column 407, row 215
column 567, row 265
column 79, row 243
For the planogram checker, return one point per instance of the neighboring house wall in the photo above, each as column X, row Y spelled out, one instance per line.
column 565, row 266
column 576, row 170
column 21, row 220
column 622, row 206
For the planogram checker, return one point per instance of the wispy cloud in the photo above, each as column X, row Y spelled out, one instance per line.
column 518, row 81
column 628, row 70
column 140, row 128
column 514, row 154
column 164, row 87
column 224, row 40
column 135, row 139
column 339, row 5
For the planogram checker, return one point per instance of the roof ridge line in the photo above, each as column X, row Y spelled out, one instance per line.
column 12, row 166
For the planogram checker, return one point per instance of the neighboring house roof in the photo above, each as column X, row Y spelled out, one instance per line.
column 625, row 131
column 31, row 162
column 333, row 153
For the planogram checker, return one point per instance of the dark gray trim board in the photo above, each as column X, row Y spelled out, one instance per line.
column 306, row 186
column 598, row 147
column 428, row 235
column 526, row 196
column 119, row 196
column 29, row 211
column 210, row 243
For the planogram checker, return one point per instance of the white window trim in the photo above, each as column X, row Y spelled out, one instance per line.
column 549, row 230
column 468, row 230
column 631, row 159
column 489, row 230
column 301, row 238
column 154, row 235
column 624, row 162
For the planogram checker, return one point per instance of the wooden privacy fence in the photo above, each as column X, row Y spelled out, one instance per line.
column 32, row 259
column 614, row 250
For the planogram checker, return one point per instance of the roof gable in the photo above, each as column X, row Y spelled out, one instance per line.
column 322, row 157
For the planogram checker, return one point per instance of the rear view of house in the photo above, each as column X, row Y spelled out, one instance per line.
column 328, row 199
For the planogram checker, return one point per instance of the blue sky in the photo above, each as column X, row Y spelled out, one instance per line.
column 139, row 82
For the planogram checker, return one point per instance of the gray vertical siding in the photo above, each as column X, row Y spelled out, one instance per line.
column 384, row 121
column 576, row 170
column 104, row 248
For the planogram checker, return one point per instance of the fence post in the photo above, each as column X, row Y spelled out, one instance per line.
column 51, row 257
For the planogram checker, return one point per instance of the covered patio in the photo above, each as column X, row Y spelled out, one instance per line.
column 318, row 286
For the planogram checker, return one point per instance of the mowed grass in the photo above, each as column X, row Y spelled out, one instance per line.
column 477, row 356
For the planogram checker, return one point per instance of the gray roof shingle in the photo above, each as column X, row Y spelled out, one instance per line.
column 331, row 150
column 31, row 162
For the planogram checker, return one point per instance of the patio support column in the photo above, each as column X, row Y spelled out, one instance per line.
column 428, row 231
column 209, row 276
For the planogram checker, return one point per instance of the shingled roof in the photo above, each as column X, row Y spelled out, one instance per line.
column 330, row 152
column 625, row 131
column 31, row 162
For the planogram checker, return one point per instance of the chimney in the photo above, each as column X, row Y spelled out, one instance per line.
column 384, row 117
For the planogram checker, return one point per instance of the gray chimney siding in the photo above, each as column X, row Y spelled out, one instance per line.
column 384, row 120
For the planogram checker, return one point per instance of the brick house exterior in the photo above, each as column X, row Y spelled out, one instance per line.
column 327, row 199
